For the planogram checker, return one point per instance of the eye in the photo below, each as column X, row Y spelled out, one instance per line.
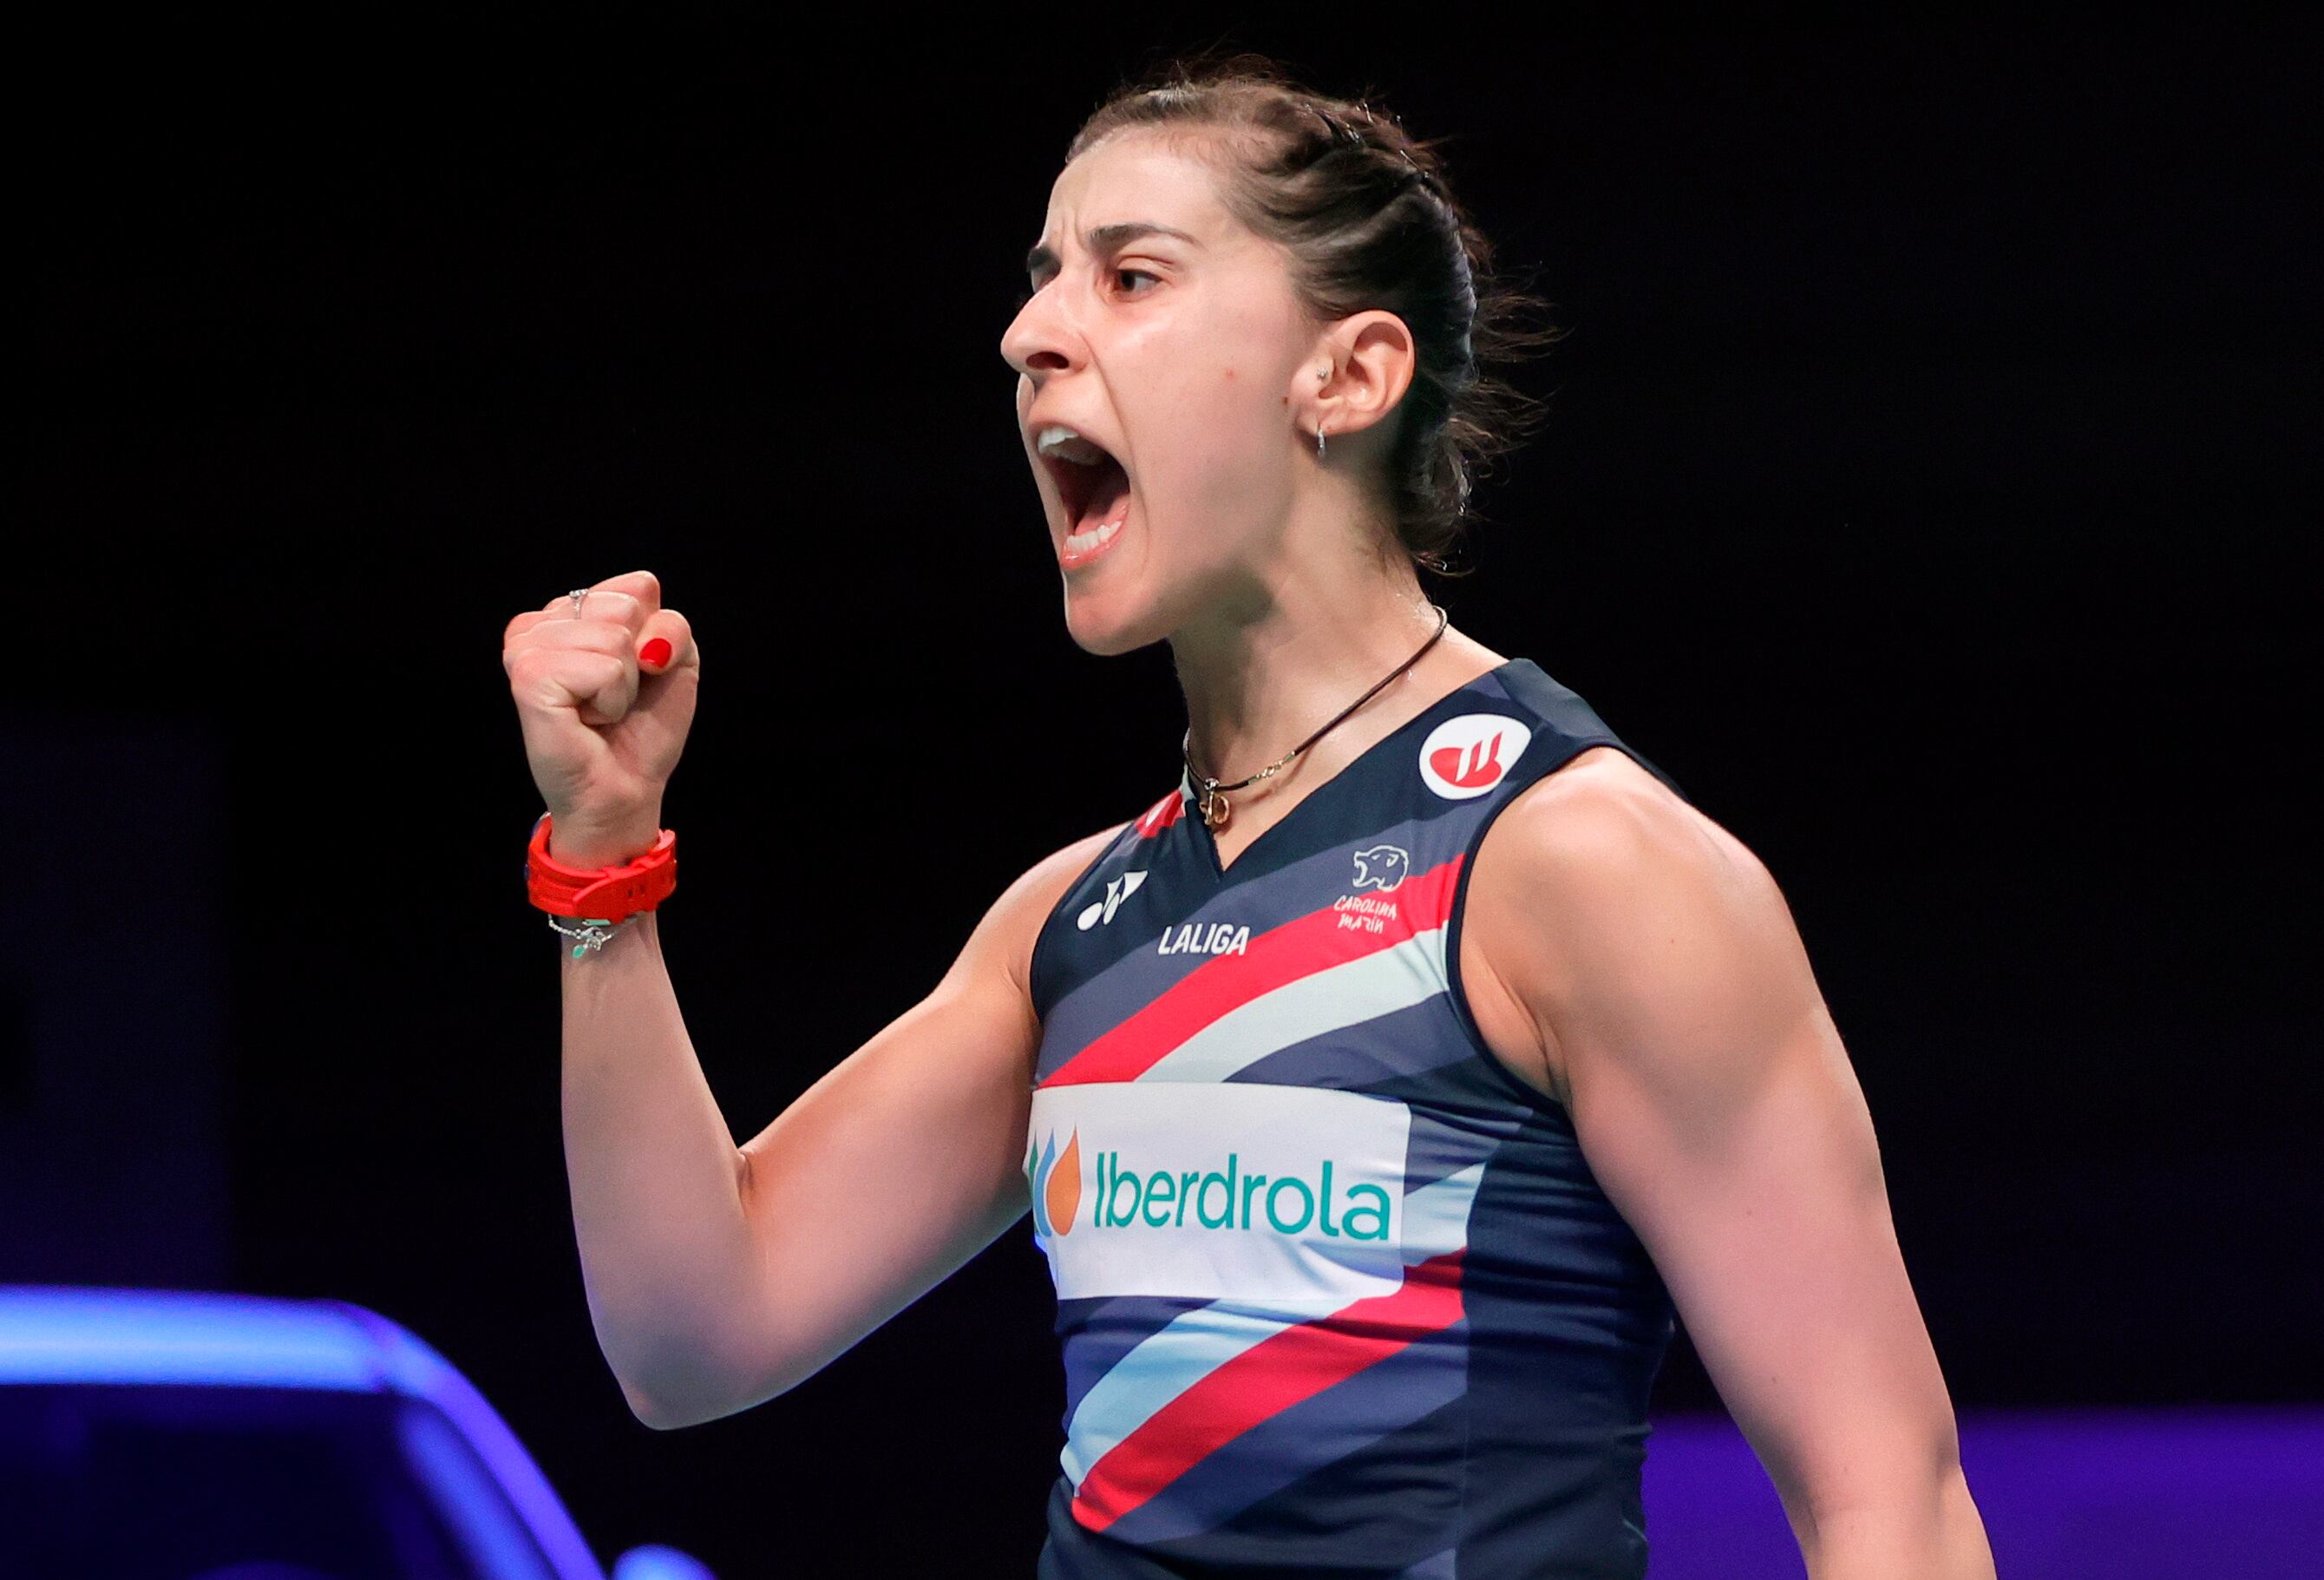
column 1027, row 294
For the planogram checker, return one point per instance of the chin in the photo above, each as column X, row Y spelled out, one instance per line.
column 1097, row 630
column 1112, row 620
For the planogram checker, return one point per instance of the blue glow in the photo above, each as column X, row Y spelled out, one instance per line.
column 2159, row 1493
column 419, row 1371
column 62, row 1334
column 655, row 1562
column 490, row 1531
column 86, row 1334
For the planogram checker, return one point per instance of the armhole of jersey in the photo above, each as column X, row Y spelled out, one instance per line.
column 1033, row 978
column 1455, row 991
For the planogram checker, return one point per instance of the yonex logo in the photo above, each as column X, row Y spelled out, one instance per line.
column 1098, row 912
column 1466, row 756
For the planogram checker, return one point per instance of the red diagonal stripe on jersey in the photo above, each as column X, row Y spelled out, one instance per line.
column 1161, row 814
column 1299, row 947
column 1263, row 1380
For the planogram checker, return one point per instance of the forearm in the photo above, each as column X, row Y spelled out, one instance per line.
column 1942, row 1538
column 657, row 1204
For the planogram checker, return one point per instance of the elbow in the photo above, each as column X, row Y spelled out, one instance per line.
column 664, row 1407
column 666, row 1412
column 684, row 1393
column 1934, row 1531
column 648, row 1412
column 694, row 1395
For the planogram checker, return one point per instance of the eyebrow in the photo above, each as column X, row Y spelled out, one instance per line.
column 1104, row 239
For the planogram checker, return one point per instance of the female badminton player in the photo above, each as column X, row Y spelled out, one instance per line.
column 1383, row 1091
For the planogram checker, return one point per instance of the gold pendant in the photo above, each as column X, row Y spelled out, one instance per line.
column 1215, row 811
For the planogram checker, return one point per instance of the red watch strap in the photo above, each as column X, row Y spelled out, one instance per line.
column 599, row 893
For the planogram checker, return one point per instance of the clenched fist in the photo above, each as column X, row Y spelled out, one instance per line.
column 606, row 695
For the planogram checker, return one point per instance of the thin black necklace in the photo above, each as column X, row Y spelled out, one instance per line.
column 1214, row 807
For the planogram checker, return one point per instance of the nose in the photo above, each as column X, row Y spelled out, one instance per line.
column 1039, row 342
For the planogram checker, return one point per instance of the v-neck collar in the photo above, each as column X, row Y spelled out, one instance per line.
column 1200, row 832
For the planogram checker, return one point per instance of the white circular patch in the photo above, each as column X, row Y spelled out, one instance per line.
column 1468, row 755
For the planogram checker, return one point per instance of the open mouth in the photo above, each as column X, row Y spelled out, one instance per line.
column 1095, row 494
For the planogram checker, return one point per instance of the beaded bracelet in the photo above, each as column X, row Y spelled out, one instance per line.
column 593, row 932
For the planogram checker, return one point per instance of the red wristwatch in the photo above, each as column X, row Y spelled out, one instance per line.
column 606, row 894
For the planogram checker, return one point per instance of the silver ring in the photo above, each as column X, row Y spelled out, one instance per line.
column 576, row 595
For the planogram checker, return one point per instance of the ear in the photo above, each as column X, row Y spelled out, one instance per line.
column 1373, row 358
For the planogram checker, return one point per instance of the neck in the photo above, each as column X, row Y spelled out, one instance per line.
column 1263, row 673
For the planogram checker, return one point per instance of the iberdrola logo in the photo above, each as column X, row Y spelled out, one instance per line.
column 1057, row 1184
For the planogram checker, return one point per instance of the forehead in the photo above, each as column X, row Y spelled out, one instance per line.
column 1131, row 177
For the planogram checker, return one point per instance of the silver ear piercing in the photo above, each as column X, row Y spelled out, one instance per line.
column 1324, row 374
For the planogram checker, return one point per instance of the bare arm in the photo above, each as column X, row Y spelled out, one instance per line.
column 719, row 1276
column 1717, row 1109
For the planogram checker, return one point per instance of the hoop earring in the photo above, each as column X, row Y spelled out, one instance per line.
column 1319, row 442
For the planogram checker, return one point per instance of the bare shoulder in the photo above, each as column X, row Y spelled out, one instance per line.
column 1603, row 819
column 1005, row 938
column 1587, row 883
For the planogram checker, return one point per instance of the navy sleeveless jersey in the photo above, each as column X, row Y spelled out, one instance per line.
column 1337, row 1293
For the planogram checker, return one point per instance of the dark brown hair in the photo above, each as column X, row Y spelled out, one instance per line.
column 1369, row 222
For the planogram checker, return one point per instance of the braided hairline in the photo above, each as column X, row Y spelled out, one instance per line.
column 1452, row 385
column 1345, row 134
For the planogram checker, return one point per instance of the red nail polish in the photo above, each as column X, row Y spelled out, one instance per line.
column 656, row 651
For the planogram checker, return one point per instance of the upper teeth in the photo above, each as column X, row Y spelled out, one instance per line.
column 1064, row 443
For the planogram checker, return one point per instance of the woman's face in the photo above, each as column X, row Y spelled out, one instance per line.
column 1187, row 359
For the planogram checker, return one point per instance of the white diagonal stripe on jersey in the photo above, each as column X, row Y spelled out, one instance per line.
column 1436, row 1215
column 1194, row 1343
column 1407, row 972
column 1167, row 1362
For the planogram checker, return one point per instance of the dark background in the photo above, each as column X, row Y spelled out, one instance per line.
column 1931, row 450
